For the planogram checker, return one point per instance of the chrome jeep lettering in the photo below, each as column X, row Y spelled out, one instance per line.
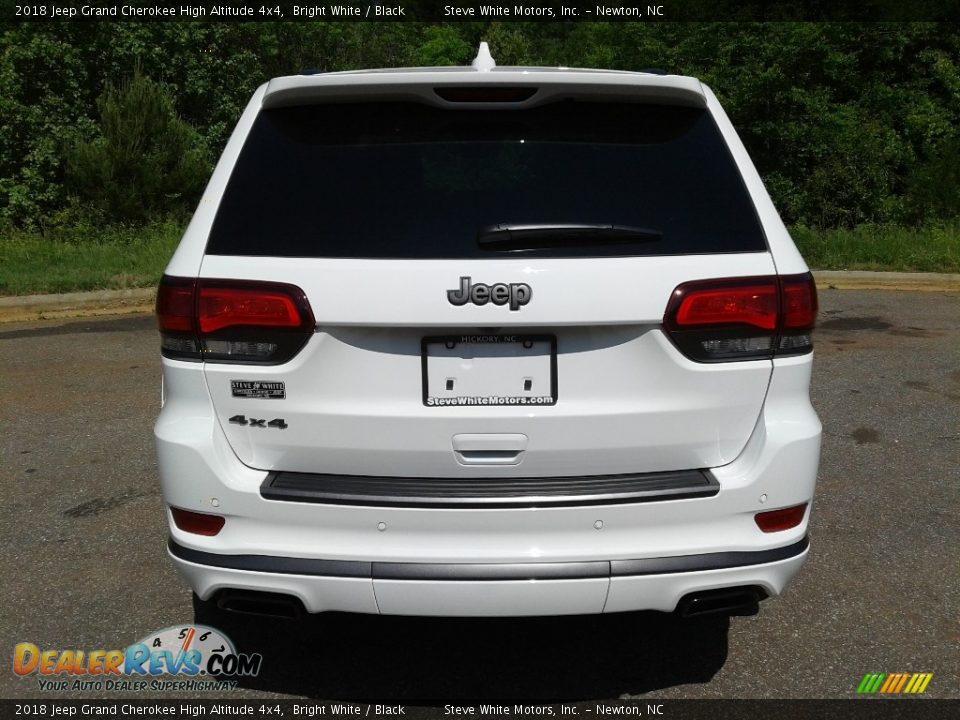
column 516, row 295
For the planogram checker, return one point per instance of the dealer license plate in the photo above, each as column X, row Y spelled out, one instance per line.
column 489, row 369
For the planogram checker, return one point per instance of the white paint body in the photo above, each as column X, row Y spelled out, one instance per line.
column 629, row 402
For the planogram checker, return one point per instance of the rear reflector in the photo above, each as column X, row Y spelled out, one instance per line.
column 783, row 519
column 743, row 318
column 232, row 320
column 197, row 523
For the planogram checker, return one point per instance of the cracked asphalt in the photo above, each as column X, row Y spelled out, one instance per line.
column 84, row 566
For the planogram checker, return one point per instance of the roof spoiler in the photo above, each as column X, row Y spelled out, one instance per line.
column 437, row 86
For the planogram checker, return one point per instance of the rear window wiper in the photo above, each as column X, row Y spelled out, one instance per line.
column 508, row 236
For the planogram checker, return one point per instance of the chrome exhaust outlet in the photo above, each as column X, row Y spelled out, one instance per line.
column 252, row 602
column 730, row 601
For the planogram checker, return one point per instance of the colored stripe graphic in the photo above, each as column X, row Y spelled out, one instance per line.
column 866, row 683
column 898, row 684
column 890, row 682
column 871, row 682
column 923, row 679
column 894, row 683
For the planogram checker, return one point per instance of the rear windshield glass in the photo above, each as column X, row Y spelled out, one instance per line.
column 407, row 180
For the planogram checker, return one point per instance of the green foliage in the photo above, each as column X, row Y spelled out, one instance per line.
column 836, row 116
column 84, row 256
column 848, row 123
column 146, row 163
column 932, row 247
column 442, row 45
column 42, row 87
column 934, row 187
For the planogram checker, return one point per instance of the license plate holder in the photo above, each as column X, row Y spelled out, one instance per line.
column 489, row 369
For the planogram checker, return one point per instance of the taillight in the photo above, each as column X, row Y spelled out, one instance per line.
column 783, row 519
column 743, row 318
column 799, row 301
column 197, row 523
column 175, row 318
column 232, row 320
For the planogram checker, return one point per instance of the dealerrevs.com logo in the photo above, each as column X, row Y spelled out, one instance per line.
column 175, row 658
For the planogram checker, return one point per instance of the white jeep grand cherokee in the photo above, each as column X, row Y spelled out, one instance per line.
column 486, row 341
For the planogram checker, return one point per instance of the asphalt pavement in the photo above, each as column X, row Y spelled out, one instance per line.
column 85, row 566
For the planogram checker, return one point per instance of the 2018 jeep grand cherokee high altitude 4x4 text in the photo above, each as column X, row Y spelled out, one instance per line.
column 486, row 341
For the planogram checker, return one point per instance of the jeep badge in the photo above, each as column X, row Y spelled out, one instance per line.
column 516, row 294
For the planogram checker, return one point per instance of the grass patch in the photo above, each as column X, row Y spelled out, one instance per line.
column 85, row 258
column 929, row 248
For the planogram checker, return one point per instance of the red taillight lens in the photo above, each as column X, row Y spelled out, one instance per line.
column 223, row 307
column 754, row 305
column 175, row 305
column 799, row 314
column 742, row 318
column 176, row 318
column 232, row 320
column 197, row 523
column 799, row 302
column 783, row 519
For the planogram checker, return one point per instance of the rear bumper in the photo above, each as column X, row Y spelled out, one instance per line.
column 619, row 541
column 490, row 589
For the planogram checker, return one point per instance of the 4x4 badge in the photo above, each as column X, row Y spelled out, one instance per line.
column 259, row 422
column 515, row 294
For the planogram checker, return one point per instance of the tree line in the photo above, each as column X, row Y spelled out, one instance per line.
column 120, row 123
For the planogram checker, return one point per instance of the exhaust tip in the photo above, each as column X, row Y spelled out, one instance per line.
column 253, row 602
column 730, row 601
